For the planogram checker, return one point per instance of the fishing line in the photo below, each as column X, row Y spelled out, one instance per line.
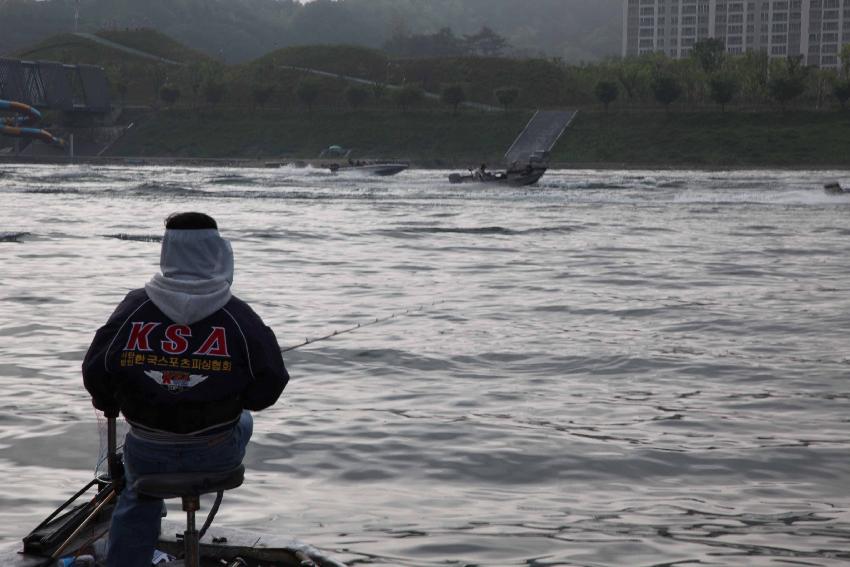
column 104, row 453
column 358, row 326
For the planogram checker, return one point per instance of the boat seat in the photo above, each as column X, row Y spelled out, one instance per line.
column 189, row 487
column 178, row 485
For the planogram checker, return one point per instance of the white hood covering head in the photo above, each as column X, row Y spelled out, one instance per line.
column 197, row 270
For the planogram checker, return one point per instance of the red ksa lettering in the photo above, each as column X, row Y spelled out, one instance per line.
column 215, row 345
column 176, row 339
column 140, row 336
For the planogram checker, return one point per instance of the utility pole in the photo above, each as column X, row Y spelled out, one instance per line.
column 77, row 16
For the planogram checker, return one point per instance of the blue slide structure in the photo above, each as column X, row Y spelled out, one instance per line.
column 22, row 125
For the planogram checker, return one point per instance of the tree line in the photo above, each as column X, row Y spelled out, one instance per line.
column 208, row 83
column 710, row 76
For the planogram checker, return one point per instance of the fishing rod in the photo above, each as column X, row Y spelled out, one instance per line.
column 111, row 484
column 358, row 326
column 50, row 545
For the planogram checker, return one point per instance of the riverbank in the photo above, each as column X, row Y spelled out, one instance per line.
column 436, row 139
column 439, row 138
column 317, row 163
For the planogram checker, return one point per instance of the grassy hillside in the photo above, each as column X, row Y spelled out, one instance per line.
column 155, row 43
column 709, row 138
column 439, row 138
column 70, row 48
column 343, row 59
column 426, row 136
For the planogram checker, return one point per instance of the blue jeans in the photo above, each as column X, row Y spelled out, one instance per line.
column 136, row 521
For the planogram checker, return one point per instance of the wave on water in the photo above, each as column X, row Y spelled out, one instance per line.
column 232, row 179
column 284, row 235
column 498, row 230
column 134, row 237
column 50, row 190
column 314, row 172
column 13, row 236
column 162, row 190
column 760, row 227
column 71, row 177
column 581, row 184
column 788, row 197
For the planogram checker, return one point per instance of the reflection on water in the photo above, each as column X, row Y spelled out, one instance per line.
column 613, row 368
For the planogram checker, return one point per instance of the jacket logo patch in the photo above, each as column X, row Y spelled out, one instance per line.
column 175, row 381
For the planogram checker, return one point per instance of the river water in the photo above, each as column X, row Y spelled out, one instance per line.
column 613, row 368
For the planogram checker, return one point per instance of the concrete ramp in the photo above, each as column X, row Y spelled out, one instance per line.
column 539, row 136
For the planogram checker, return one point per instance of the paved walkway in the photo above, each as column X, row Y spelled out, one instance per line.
column 477, row 105
column 125, row 49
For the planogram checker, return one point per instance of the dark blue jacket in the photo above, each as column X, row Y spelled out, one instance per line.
column 183, row 378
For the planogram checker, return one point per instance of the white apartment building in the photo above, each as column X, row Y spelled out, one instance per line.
column 815, row 29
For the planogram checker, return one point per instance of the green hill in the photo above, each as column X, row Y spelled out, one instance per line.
column 74, row 49
column 155, row 43
column 134, row 78
column 361, row 62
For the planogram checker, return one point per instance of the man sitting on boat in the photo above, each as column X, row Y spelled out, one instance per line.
column 183, row 360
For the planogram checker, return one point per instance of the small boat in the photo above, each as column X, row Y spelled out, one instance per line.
column 513, row 177
column 367, row 167
column 220, row 547
column 528, row 156
column 835, row 188
column 382, row 168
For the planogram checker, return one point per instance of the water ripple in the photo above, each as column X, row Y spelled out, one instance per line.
column 610, row 368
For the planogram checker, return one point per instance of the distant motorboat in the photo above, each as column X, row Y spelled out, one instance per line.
column 368, row 167
column 835, row 188
column 382, row 168
column 528, row 175
column 528, row 156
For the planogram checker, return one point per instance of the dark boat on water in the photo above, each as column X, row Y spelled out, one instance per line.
column 528, row 175
column 528, row 156
column 835, row 188
column 366, row 167
column 382, row 168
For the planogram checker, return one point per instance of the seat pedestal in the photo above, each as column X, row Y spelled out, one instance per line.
column 189, row 487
